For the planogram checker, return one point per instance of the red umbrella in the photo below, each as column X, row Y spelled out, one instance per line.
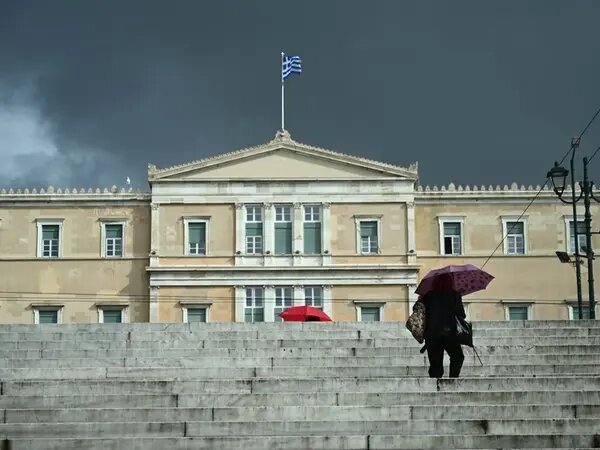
column 304, row 314
column 466, row 279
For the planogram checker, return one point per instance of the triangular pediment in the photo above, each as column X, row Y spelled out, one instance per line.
column 282, row 158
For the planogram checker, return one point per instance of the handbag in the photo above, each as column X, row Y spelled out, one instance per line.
column 416, row 322
column 464, row 334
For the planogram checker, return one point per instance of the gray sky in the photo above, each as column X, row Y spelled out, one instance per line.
column 479, row 92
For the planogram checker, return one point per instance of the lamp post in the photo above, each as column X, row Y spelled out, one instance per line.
column 558, row 177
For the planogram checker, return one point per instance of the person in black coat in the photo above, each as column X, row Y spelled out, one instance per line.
column 442, row 305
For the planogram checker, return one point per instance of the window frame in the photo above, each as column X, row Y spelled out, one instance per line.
column 451, row 219
column 103, row 224
column 40, row 246
column 289, row 221
column 508, row 305
column 505, row 235
column 260, row 208
column 360, row 304
column 123, row 307
column 371, row 218
column 568, row 222
column 48, row 307
column 195, row 305
column 283, row 299
column 311, row 220
column 186, row 235
column 253, row 300
column 571, row 304
column 312, row 296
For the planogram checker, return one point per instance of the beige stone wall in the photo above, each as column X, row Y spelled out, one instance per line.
column 221, row 310
column 395, row 296
column 538, row 277
column 81, row 278
column 483, row 226
column 221, row 230
column 393, row 227
column 81, row 229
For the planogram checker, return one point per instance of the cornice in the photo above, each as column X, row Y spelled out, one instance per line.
column 50, row 194
column 283, row 140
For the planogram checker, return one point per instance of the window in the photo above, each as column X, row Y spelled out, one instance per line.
column 369, row 314
column 47, row 314
column 514, row 243
column 49, row 238
column 112, row 236
column 450, row 236
column 195, row 311
column 313, row 296
column 368, row 235
column 574, row 311
column 312, row 230
column 254, row 311
column 369, row 310
column 112, row 313
column 283, row 300
column 283, row 230
column 196, row 315
column 196, row 237
column 254, row 230
column 581, row 240
column 517, row 312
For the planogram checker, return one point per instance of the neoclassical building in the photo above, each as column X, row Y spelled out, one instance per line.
column 243, row 235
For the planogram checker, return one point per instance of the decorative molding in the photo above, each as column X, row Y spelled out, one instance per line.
column 283, row 140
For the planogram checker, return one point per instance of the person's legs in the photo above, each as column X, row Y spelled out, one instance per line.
column 456, row 357
column 435, row 352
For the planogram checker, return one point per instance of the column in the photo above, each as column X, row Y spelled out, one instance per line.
column 240, row 303
column 153, row 306
column 299, row 295
column 154, row 234
column 411, row 241
column 326, row 233
column 269, row 303
column 327, row 301
column 269, row 228
column 298, row 230
column 240, row 229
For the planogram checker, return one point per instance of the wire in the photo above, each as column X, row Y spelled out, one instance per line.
column 593, row 154
column 571, row 149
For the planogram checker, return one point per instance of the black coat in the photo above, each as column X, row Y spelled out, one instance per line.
column 441, row 307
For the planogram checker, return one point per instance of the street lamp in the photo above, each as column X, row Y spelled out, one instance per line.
column 558, row 177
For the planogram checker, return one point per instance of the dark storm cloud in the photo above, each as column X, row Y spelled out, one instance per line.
column 478, row 92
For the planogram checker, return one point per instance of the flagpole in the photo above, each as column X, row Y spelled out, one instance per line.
column 282, row 96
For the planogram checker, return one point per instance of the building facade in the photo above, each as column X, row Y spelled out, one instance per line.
column 241, row 236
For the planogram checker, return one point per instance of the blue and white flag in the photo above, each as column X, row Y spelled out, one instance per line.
column 290, row 65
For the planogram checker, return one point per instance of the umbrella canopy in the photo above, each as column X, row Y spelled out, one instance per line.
column 466, row 279
column 304, row 314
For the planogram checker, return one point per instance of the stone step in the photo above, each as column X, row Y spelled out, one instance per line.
column 183, row 373
column 236, row 326
column 564, row 398
column 326, row 442
column 282, row 343
column 302, row 428
column 303, row 352
column 299, row 385
column 194, row 361
column 302, row 413
column 187, row 335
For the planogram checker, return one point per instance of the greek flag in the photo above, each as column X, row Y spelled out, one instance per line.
column 290, row 65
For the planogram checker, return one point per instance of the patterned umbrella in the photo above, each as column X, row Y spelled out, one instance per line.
column 466, row 279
